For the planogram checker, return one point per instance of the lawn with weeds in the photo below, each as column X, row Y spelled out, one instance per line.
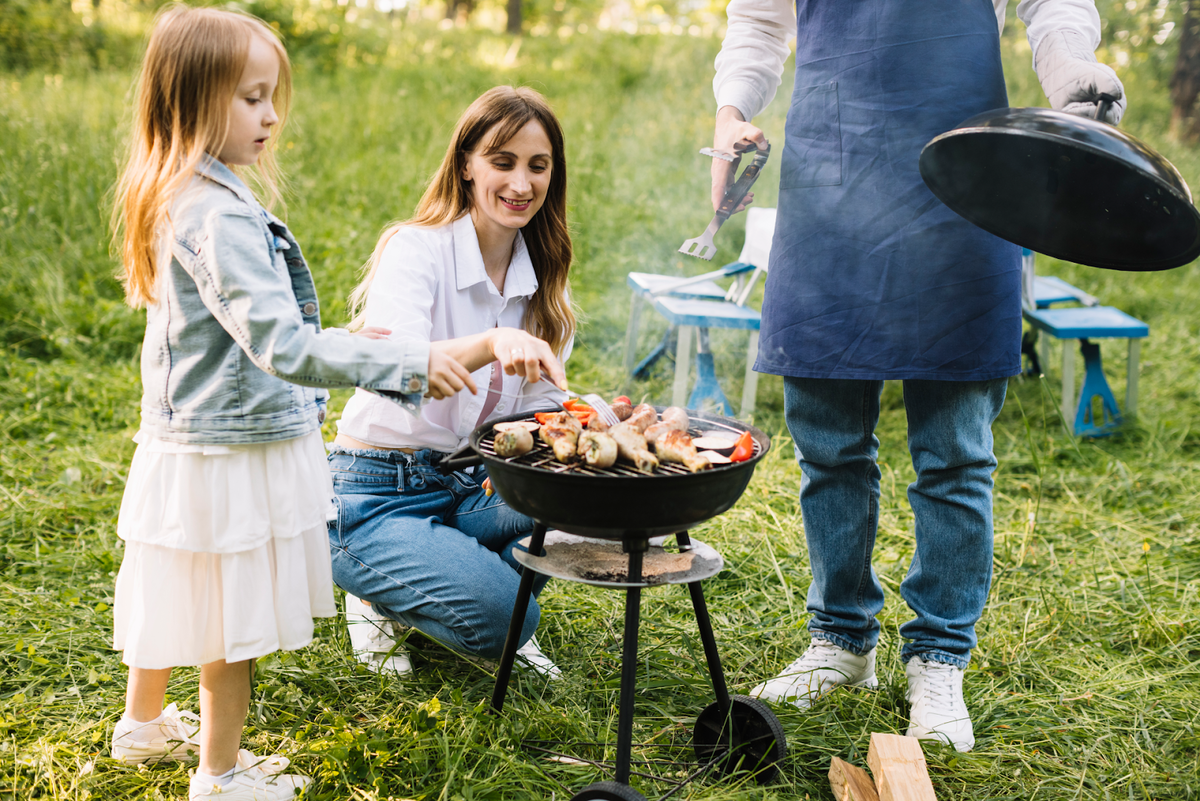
column 1085, row 681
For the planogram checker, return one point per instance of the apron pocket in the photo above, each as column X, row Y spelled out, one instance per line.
column 812, row 150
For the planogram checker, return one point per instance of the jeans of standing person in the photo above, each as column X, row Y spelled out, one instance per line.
column 431, row 551
column 832, row 422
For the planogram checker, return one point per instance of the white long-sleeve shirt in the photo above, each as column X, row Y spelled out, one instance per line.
column 431, row 286
column 751, row 60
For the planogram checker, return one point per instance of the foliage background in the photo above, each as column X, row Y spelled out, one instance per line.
column 1084, row 685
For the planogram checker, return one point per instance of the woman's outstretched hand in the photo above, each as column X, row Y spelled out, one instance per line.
column 523, row 354
column 447, row 376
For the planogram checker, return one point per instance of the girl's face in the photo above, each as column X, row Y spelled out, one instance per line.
column 252, row 112
column 509, row 186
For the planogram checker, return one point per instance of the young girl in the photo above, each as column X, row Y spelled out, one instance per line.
column 480, row 270
column 225, row 506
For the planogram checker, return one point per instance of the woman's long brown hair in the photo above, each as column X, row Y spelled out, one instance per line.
column 193, row 63
column 497, row 116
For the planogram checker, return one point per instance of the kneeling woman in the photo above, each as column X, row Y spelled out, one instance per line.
column 481, row 273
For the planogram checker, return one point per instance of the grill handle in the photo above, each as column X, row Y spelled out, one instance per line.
column 461, row 458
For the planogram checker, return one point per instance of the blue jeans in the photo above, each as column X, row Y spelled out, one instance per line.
column 832, row 422
column 428, row 550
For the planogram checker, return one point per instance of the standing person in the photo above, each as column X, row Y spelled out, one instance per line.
column 225, row 506
column 871, row 278
column 481, row 270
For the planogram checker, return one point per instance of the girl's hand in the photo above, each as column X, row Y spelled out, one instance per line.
column 487, row 488
column 523, row 354
column 373, row 332
column 447, row 377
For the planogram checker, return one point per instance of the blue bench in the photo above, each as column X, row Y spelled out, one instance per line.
column 693, row 306
column 1094, row 411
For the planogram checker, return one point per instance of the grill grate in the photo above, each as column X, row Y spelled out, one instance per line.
column 542, row 457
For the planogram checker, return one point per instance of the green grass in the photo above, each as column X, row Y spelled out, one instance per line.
column 1084, row 684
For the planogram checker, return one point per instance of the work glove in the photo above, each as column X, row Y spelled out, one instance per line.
column 1073, row 80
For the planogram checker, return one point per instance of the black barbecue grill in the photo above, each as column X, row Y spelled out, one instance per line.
column 588, row 508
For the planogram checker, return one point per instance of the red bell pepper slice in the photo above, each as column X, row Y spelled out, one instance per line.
column 743, row 449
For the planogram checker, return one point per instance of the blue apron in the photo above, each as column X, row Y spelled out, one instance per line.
column 871, row 277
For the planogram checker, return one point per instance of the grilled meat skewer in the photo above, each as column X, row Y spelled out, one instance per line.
column 676, row 446
column 561, row 432
column 673, row 419
column 643, row 417
column 631, row 446
column 621, row 409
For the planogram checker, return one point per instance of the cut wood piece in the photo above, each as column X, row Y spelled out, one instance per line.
column 898, row 765
column 850, row 782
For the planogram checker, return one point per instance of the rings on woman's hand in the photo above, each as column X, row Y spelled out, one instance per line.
column 517, row 353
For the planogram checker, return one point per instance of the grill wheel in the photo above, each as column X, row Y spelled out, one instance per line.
column 752, row 739
column 608, row 791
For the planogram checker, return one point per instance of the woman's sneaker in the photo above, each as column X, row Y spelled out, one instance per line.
column 372, row 637
column 170, row 738
column 531, row 657
column 823, row 668
column 938, row 709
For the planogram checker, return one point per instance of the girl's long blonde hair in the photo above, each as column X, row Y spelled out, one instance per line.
column 193, row 63
column 502, row 111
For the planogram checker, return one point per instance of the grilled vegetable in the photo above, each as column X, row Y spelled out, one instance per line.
column 713, row 457
column 528, row 425
column 597, row 449
column 513, row 442
column 744, row 448
column 719, row 444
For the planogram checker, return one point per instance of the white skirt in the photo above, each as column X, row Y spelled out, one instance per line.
column 226, row 551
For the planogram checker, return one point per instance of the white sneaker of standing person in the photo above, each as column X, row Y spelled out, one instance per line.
column 253, row 778
column 938, row 709
column 823, row 668
column 530, row 655
column 373, row 638
column 171, row 737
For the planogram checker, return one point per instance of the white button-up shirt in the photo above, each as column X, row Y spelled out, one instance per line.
column 751, row 60
column 430, row 286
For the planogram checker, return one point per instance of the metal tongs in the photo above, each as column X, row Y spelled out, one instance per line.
column 702, row 247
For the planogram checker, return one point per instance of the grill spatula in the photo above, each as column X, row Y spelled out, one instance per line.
column 702, row 247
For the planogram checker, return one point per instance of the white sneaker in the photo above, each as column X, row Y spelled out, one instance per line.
column 822, row 668
column 254, row 779
column 172, row 739
column 530, row 656
column 373, row 640
column 938, row 709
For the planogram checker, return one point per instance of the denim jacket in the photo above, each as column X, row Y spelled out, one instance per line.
column 234, row 351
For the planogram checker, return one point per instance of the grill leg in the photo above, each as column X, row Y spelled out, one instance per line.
column 633, row 601
column 706, row 634
column 515, row 624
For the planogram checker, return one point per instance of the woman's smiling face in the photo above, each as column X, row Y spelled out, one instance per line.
column 509, row 186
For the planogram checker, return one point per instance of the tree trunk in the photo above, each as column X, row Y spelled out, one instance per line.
column 459, row 10
column 514, row 17
column 1185, row 81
